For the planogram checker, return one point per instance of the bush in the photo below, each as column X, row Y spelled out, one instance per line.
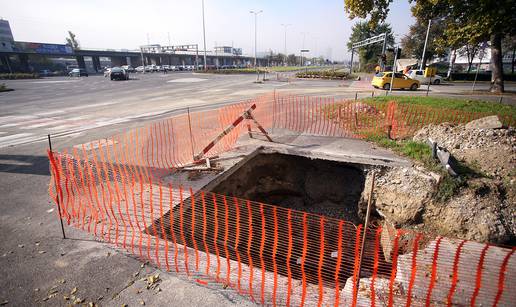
column 15, row 76
column 323, row 74
column 482, row 76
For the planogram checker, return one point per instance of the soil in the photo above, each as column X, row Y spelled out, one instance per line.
column 483, row 209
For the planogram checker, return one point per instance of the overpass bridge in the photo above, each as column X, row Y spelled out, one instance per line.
column 146, row 55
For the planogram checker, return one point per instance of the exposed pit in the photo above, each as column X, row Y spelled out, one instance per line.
column 322, row 187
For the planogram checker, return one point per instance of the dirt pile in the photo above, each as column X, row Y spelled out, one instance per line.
column 484, row 206
column 493, row 151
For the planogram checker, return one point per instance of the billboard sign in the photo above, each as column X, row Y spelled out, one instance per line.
column 43, row 48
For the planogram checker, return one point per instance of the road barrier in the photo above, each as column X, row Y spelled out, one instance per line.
column 115, row 190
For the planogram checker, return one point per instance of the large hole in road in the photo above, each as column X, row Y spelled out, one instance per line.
column 325, row 188
column 322, row 187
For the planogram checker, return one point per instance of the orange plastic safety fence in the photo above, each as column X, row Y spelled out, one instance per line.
column 112, row 189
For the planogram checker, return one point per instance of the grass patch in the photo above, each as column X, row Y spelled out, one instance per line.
column 465, row 105
column 422, row 153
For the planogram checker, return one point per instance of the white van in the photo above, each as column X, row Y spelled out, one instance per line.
column 419, row 75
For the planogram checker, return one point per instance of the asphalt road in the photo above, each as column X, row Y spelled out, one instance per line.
column 34, row 260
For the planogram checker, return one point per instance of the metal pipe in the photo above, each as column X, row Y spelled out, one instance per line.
column 393, row 68
column 366, row 224
column 204, row 36
column 191, row 136
column 57, row 195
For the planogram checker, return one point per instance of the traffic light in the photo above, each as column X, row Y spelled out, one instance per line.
column 398, row 53
column 384, row 58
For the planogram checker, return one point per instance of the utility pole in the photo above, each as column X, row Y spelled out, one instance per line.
column 285, row 50
column 204, row 36
column 424, row 48
column 393, row 68
column 148, row 39
column 302, row 47
column 168, row 33
column 351, row 62
column 255, row 32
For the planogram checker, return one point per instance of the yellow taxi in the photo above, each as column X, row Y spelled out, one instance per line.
column 400, row 81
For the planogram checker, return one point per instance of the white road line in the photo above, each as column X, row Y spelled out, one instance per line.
column 50, row 113
column 91, row 106
column 186, row 80
column 57, row 81
column 14, row 118
column 61, row 127
column 47, row 123
column 22, row 141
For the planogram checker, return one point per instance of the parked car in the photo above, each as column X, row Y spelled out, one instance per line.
column 420, row 76
column 139, row 69
column 128, row 68
column 45, row 73
column 118, row 73
column 157, row 68
column 78, row 72
column 400, row 81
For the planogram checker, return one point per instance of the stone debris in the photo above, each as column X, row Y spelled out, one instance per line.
column 493, row 151
column 489, row 122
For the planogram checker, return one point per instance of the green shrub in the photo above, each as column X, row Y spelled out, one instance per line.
column 323, row 74
column 15, row 76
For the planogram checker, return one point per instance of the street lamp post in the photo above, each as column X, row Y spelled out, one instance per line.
column 426, row 41
column 204, row 36
column 285, row 26
column 255, row 40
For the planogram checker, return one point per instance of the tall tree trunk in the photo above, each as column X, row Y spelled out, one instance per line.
column 496, row 64
column 452, row 61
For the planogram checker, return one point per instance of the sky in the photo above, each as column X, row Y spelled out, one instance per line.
column 321, row 26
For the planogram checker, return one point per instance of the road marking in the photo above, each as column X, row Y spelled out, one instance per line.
column 12, row 118
column 50, row 113
column 49, row 122
column 91, row 106
column 186, row 80
column 57, row 81
column 19, row 138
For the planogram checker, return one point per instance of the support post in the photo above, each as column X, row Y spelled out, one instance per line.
column 393, row 68
column 57, row 196
column 351, row 63
column 190, row 130
column 366, row 224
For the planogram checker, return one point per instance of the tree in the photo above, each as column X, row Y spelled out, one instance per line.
column 474, row 20
column 414, row 42
column 470, row 51
column 369, row 54
column 72, row 41
column 291, row 59
column 509, row 45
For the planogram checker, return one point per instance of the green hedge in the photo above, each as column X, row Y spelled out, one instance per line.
column 19, row 76
column 324, row 74
column 482, row 76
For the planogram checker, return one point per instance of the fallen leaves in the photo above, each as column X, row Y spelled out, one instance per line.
column 152, row 281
